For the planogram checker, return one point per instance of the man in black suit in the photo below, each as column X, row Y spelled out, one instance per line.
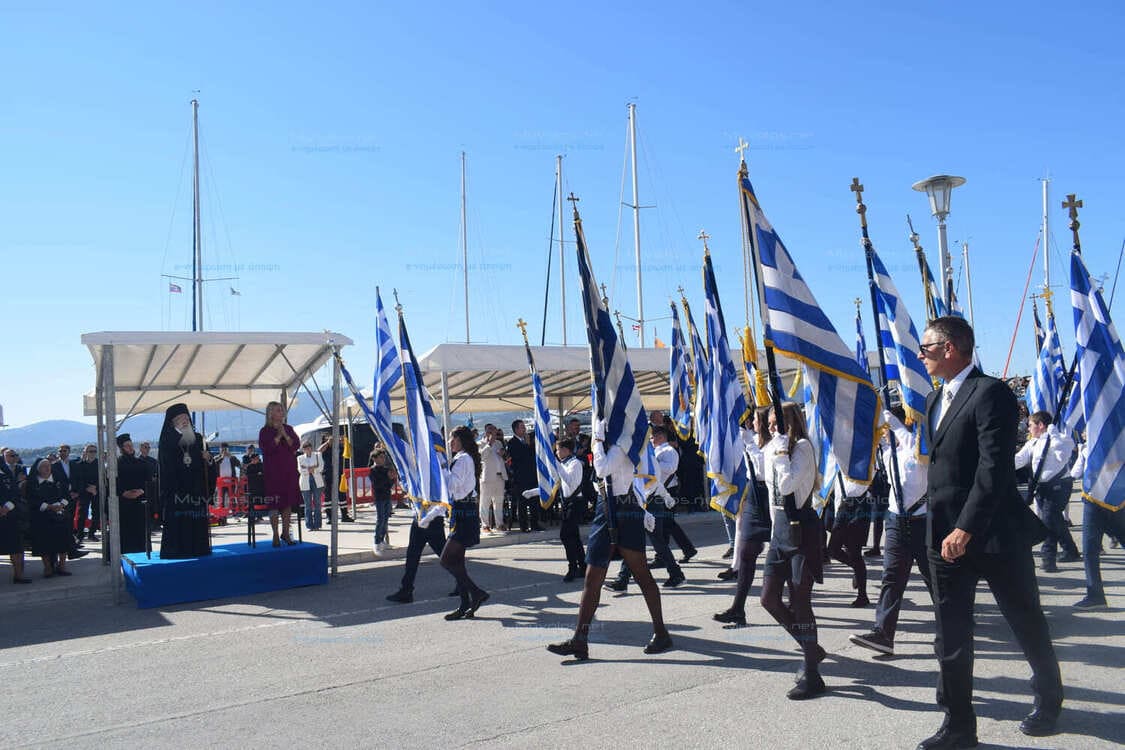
column 977, row 526
column 524, row 477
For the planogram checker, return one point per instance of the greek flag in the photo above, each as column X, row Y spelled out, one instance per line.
column 1045, row 388
column 796, row 327
column 617, row 400
column 721, row 440
column 388, row 371
column 1101, row 368
column 680, row 377
column 1074, row 420
column 860, row 342
column 700, row 370
column 432, row 499
column 899, row 339
column 546, row 462
column 826, row 467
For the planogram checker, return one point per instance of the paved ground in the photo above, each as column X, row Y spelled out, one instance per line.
column 336, row 665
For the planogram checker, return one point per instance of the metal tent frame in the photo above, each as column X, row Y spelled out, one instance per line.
column 144, row 371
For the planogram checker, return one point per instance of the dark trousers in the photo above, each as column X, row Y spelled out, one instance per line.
column 528, row 512
column 1096, row 522
column 84, row 503
column 573, row 509
column 674, row 531
column 433, row 535
column 659, row 541
column 1011, row 577
column 1052, row 498
column 846, row 545
column 903, row 548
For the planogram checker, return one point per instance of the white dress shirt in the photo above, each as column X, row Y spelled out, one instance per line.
column 948, row 393
column 615, row 466
column 461, row 476
column 785, row 474
column 570, row 472
column 1058, row 456
column 667, row 461
column 911, row 472
column 753, row 454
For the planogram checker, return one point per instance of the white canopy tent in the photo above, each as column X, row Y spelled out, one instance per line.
column 146, row 371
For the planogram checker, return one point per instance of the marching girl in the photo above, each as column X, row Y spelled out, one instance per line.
column 464, row 522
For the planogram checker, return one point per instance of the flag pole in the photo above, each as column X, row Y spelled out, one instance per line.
column 868, row 252
column 771, row 358
column 919, row 253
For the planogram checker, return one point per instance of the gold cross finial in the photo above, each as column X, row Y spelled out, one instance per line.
column 522, row 325
column 398, row 305
column 1073, row 205
column 605, row 297
column 704, row 236
column 741, row 148
column 858, row 305
column 860, row 208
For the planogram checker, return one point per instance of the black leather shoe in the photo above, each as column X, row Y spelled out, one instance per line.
column 729, row 553
column 75, row 554
column 402, row 596
column 873, row 552
column 674, row 581
column 1050, row 568
column 687, row 556
column 808, row 686
column 659, row 644
column 458, row 614
column 1090, row 602
column 570, row 575
column 475, row 602
column 728, row 575
column 731, row 617
column 949, row 739
column 1040, row 723
column 580, row 650
column 617, row 585
column 1070, row 557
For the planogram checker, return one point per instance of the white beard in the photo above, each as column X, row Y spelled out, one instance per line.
column 187, row 437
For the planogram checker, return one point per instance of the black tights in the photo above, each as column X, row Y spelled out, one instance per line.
column 592, row 593
column 453, row 560
column 846, row 546
column 797, row 618
column 747, row 566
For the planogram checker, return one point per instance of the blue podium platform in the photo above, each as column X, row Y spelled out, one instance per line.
column 230, row 570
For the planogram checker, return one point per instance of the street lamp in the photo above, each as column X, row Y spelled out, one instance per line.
column 938, row 189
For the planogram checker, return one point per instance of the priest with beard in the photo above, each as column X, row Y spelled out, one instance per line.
column 184, row 484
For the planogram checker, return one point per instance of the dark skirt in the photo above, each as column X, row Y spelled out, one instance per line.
column 862, row 509
column 796, row 549
column 756, row 525
column 11, row 532
column 51, row 532
column 464, row 522
column 630, row 530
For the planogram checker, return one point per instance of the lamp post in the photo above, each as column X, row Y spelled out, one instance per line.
column 938, row 189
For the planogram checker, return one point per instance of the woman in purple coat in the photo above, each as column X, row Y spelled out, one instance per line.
column 278, row 444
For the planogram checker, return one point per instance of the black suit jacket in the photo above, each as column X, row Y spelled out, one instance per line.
column 972, row 475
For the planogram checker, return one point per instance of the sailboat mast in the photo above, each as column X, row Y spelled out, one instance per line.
column 562, row 253
column 196, row 234
column 465, row 246
column 637, row 225
column 1046, row 245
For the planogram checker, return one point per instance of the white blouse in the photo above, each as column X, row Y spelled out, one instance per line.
column 461, row 476
column 785, row 474
column 310, row 466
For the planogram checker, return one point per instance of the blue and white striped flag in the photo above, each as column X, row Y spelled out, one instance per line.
column 700, row 370
column 826, row 468
column 899, row 339
column 797, row 328
column 1101, row 369
column 721, row 440
column 1045, row 388
column 1074, row 418
column 680, row 379
column 617, row 400
column 860, row 342
column 546, row 462
column 427, row 443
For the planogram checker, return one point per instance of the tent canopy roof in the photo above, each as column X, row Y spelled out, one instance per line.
column 495, row 377
column 208, row 370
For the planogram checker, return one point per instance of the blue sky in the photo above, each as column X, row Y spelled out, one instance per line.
column 332, row 136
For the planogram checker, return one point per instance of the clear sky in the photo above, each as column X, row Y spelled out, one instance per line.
column 331, row 139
